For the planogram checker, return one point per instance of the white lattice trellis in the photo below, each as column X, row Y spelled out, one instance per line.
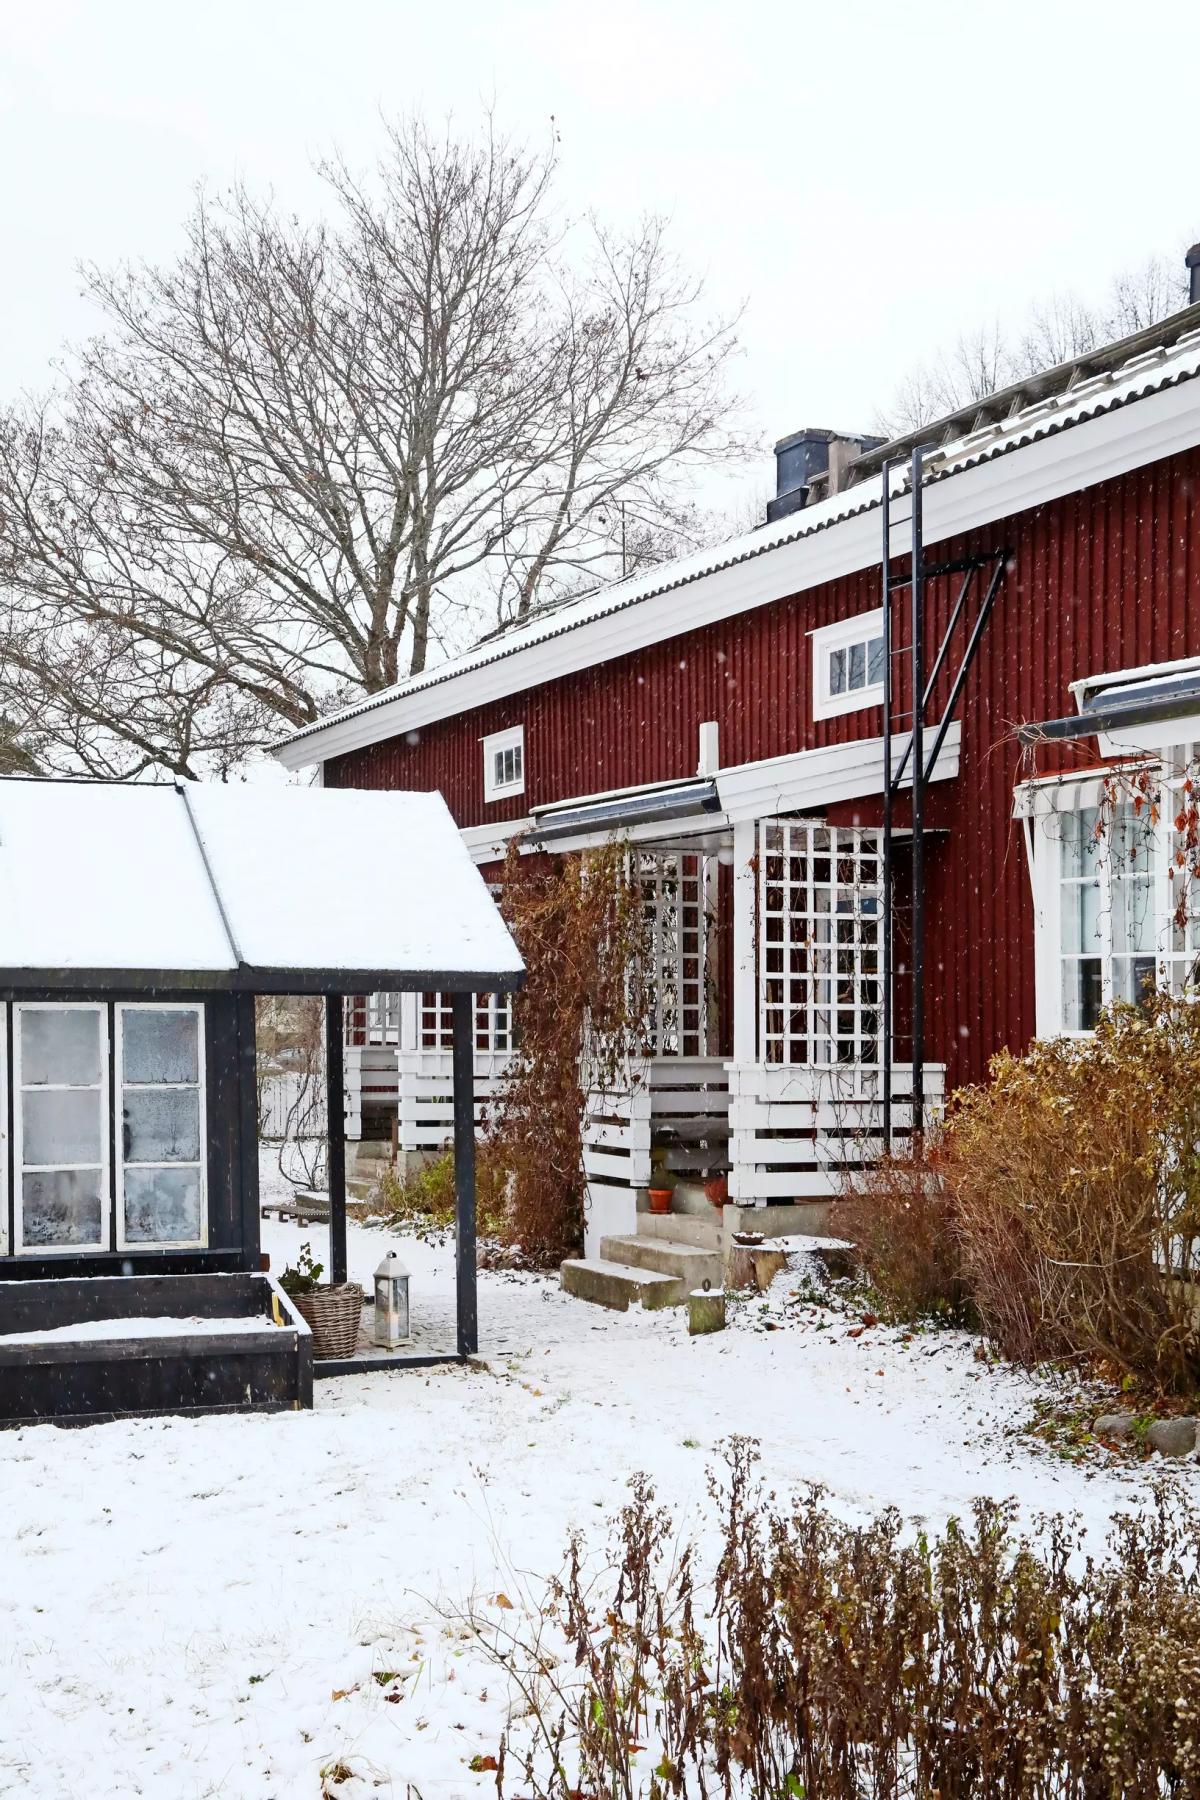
column 819, row 942
column 674, row 904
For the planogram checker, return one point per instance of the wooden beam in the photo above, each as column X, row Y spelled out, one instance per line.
column 335, row 1127
column 463, row 1012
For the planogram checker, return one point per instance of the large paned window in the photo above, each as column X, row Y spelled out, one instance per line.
column 108, row 1141
column 1116, row 902
column 161, row 1116
column 60, row 1136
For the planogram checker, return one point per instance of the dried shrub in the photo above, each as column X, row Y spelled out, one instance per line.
column 424, row 1200
column 579, row 1021
column 826, row 1661
column 1075, row 1178
column 899, row 1215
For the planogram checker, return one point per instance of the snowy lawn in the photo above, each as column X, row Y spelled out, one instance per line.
column 194, row 1608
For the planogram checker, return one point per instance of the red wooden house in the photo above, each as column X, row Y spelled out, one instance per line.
column 744, row 717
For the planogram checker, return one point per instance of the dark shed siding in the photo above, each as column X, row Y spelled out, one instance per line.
column 1102, row 579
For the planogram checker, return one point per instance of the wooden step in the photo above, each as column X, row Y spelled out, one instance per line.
column 685, row 1261
column 616, row 1285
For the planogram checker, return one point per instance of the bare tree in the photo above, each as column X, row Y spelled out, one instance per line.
column 1056, row 331
column 306, row 454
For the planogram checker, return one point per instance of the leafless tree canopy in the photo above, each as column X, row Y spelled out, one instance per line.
column 306, row 453
column 982, row 361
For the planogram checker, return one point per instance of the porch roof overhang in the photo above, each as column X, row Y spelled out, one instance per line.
column 804, row 781
column 136, row 887
column 1129, row 710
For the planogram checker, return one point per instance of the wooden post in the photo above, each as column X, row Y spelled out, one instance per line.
column 463, row 1013
column 247, row 1128
column 745, row 974
column 335, row 1127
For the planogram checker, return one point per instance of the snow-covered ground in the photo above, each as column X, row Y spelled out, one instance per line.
column 199, row 1607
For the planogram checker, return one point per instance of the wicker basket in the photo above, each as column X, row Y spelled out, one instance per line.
column 333, row 1315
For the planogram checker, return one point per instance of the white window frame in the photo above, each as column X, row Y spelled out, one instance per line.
column 493, row 746
column 101, row 1246
column 143, row 1246
column 1039, row 804
column 860, row 628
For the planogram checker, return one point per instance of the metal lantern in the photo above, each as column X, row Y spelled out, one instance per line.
column 391, row 1303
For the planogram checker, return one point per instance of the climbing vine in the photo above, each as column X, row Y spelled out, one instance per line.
column 580, row 1024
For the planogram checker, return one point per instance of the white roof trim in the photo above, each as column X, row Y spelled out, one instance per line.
column 1079, row 441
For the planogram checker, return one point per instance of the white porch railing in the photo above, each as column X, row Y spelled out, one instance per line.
column 796, row 1128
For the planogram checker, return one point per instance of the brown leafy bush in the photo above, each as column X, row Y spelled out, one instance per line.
column 900, row 1217
column 825, row 1661
column 1075, row 1180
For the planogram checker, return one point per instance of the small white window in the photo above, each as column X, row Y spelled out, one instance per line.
column 504, row 764
column 159, row 1093
column 848, row 665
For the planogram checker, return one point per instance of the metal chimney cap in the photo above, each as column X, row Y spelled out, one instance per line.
column 1192, row 259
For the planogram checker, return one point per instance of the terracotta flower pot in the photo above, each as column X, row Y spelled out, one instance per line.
column 660, row 1200
column 716, row 1191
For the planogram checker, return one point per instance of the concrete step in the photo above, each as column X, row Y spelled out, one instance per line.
column 685, row 1261
column 360, row 1187
column 614, row 1284
column 683, row 1228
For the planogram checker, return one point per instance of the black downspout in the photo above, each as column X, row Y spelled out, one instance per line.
column 463, row 1013
column 335, row 1126
column 918, row 798
column 886, row 972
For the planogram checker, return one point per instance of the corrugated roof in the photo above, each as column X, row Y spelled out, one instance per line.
column 1162, row 357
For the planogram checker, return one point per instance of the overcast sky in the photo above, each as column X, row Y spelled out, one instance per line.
column 868, row 178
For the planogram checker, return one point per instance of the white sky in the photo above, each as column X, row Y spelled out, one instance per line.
column 870, row 179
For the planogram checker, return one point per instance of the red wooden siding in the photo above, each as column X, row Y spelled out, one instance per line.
column 1104, row 579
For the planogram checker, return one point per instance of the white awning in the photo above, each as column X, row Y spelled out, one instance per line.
column 257, row 888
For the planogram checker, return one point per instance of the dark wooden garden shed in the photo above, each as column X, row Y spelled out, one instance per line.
column 137, row 925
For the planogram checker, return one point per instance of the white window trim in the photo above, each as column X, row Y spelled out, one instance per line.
column 100, row 1247
column 1037, row 803
column 837, row 636
column 142, row 1245
column 512, row 739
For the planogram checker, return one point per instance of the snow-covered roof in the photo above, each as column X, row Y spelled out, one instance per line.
column 1087, row 389
column 248, row 887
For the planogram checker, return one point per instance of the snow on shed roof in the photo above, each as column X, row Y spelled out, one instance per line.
column 1110, row 378
column 254, row 888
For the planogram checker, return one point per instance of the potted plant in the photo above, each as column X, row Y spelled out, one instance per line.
column 662, row 1187
column 332, row 1311
column 716, row 1189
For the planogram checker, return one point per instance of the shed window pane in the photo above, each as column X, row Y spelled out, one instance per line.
column 837, row 671
column 162, row 1206
column 61, row 1126
column 160, row 1046
column 162, row 1125
column 858, row 666
column 875, row 661
column 60, row 1046
column 61, row 1207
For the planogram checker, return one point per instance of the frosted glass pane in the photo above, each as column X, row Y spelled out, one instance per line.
column 60, row 1047
column 162, row 1206
column 159, row 1046
column 1080, row 916
column 161, row 1125
column 60, row 1126
column 62, row 1208
column 1133, row 915
column 1079, row 841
